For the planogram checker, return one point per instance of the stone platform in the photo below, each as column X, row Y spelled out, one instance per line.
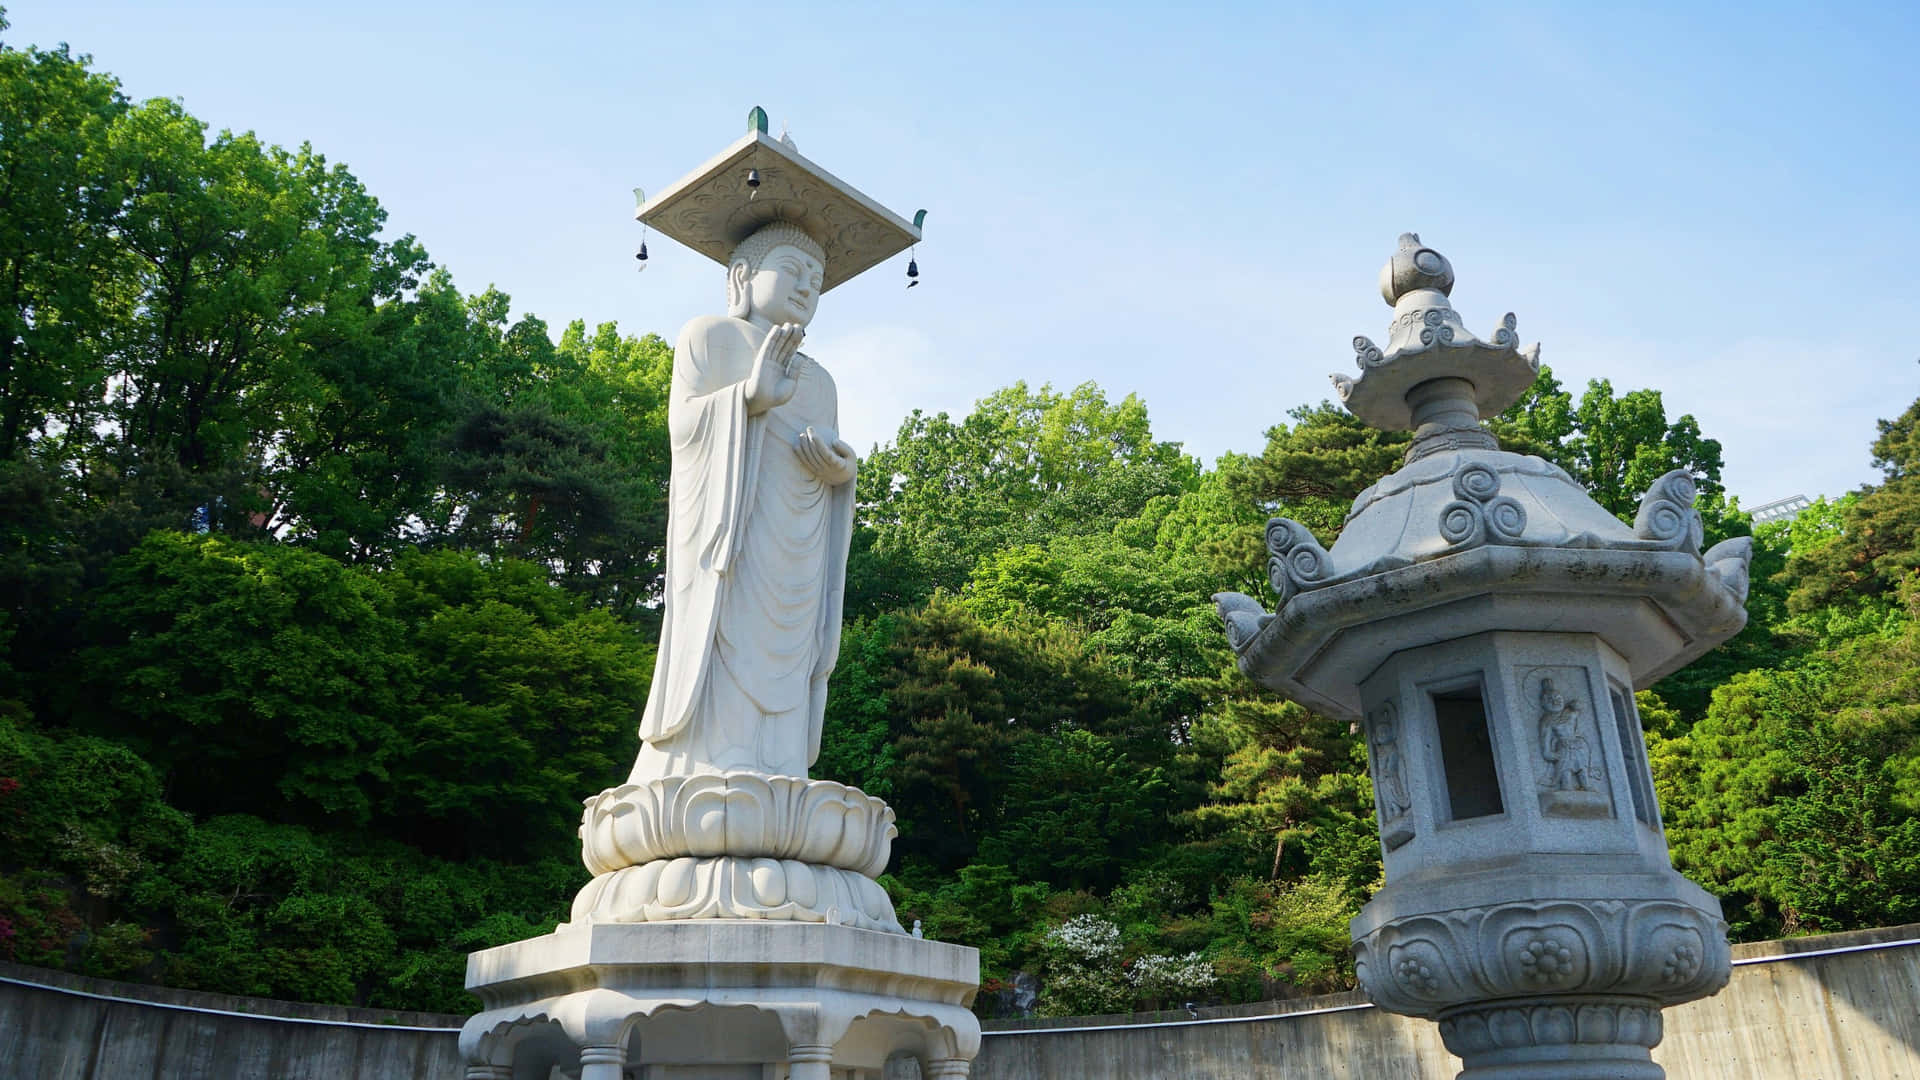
column 720, row 999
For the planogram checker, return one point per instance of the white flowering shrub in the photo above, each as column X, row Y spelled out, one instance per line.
column 1172, row 978
column 1084, row 941
column 1083, row 973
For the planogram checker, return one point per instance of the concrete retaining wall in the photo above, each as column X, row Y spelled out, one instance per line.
column 55, row 1026
column 1837, row 1007
column 1840, row 1007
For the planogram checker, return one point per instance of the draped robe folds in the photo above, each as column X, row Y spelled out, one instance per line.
column 756, row 565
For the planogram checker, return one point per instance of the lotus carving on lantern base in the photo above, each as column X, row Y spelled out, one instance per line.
column 1659, row 950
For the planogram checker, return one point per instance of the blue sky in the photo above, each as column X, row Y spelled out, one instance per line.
column 1192, row 204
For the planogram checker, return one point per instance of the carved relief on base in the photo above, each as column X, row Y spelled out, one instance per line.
column 1662, row 950
column 729, row 887
column 746, row 814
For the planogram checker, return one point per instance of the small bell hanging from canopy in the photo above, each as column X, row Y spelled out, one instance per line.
column 913, row 256
column 640, row 200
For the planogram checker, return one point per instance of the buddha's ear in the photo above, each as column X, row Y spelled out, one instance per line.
column 737, row 294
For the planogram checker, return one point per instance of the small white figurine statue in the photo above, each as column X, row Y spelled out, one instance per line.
column 760, row 513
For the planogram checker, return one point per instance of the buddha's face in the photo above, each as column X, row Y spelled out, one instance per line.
column 786, row 288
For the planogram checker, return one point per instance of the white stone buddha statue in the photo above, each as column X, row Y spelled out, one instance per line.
column 760, row 513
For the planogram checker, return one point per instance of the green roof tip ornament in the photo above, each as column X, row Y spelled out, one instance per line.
column 757, row 119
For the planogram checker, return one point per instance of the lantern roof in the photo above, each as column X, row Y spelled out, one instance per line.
column 1466, row 537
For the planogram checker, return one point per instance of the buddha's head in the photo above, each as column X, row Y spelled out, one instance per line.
column 774, row 276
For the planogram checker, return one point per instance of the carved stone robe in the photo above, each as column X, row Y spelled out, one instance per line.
column 756, row 565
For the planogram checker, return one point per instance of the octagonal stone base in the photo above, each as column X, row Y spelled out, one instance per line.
column 739, row 1000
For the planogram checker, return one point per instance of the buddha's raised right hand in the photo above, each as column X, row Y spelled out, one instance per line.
column 772, row 382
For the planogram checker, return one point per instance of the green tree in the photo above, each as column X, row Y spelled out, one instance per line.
column 1794, row 798
column 1621, row 445
column 1273, row 939
column 1079, row 809
column 354, row 457
column 1313, row 469
column 856, row 740
column 1022, row 467
column 963, row 698
column 248, row 674
column 1539, row 423
column 242, row 256
column 1878, row 543
column 57, row 249
column 1291, row 790
column 570, row 469
column 519, row 698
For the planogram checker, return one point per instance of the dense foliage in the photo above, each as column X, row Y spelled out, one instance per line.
column 327, row 592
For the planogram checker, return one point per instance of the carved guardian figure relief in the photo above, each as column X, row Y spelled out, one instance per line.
column 1571, row 779
column 1389, row 775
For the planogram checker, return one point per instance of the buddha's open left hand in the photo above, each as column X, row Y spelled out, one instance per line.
column 826, row 456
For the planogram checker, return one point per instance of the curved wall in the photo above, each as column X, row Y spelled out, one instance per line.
column 1839, row 1007
column 56, row 1026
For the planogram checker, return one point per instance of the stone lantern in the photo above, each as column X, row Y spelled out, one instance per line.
column 1486, row 623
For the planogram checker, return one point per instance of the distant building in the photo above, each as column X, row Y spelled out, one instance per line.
column 1780, row 509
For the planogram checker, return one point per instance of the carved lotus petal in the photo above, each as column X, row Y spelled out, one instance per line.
column 1642, row 1026
column 1677, row 954
column 1466, row 1032
column 800, row 885
column 769, row 882
column 744, row 814
column 1509, row 1028
column 727, row 887
column 674, row 883
column 705, row 814
column 1558, row 947
column 1553, row 1024
column 1596, row 1023
column 1420, row 970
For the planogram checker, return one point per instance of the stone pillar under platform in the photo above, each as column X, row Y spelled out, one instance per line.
column 721, row 999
